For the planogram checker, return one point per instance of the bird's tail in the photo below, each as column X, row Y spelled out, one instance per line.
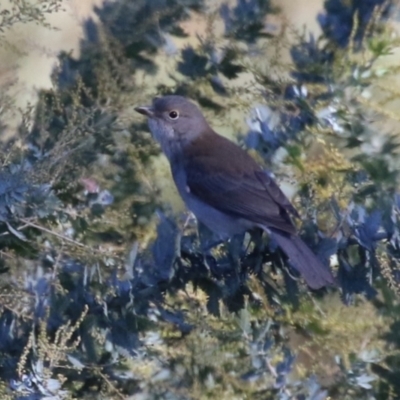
column 304, row 260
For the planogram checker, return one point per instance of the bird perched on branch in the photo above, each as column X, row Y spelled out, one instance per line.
column 223, row 186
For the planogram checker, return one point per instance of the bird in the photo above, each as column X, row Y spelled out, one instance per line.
column 224, row 187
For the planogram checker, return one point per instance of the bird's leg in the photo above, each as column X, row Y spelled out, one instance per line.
column 190, row 216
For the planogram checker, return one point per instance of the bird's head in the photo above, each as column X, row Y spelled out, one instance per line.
column 174, row 120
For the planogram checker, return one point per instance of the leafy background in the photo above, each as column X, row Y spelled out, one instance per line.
column 106, row 291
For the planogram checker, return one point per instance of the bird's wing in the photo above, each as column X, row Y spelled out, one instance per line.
column 229, row 180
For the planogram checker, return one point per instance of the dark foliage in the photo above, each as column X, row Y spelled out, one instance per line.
column 84, row 319
column 339, row 19
column 246, row 20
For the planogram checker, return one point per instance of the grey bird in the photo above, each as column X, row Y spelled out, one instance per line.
column 224, row 187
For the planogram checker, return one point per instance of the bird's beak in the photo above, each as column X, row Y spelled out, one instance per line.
column 148, row 111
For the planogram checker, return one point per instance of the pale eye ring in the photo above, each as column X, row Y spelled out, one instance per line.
column 173, row 114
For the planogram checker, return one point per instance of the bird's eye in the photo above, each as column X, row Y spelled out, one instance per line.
column 173, row 114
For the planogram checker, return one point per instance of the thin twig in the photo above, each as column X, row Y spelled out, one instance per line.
column 109, row 383
column 63, row 237
column 67, row 239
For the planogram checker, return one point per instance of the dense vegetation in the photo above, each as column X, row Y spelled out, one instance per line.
column 106, row 293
